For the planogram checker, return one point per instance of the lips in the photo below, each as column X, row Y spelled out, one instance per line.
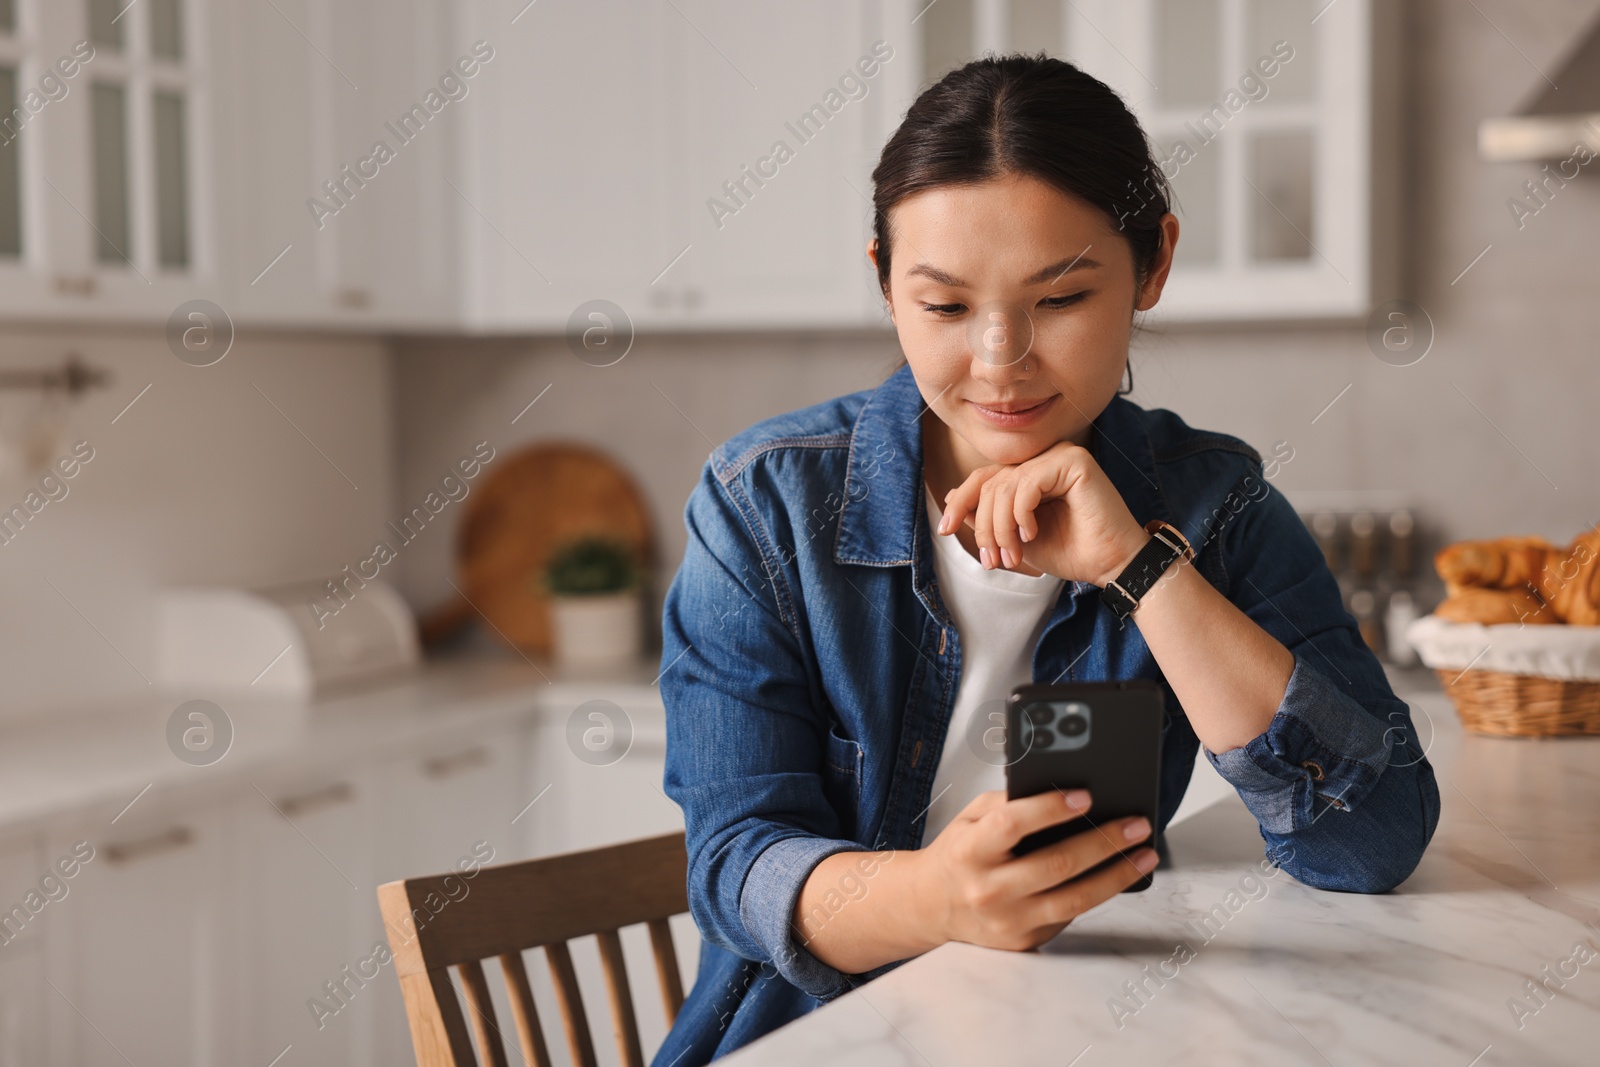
column 1012, row 407
column 1014, row 414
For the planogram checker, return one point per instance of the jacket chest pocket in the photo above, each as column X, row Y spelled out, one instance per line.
column 841, row 779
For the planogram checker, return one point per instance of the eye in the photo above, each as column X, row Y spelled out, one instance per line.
column 944, row 309
column 1063, row 301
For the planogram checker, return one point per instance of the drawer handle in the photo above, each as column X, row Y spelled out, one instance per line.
column 337, row 793
column 75, row 284
column 445, row 766
column 128, row 852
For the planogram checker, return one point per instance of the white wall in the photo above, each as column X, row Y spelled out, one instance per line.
column 200, row 481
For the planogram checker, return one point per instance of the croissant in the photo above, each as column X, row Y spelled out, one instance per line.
column 1569, row 581
column 1495, row 606
column 1504, row 563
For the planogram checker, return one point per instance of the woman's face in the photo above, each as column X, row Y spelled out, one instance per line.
column 1014, row 305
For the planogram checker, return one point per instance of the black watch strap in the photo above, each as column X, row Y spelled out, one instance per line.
column 1165, row 546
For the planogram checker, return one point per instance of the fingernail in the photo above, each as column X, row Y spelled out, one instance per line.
column 1078, row 799
column 1005, row 556
column 1146, row 860
column 1136, row 829
column 944, row 520
column 983, row 556
column 1026, row 536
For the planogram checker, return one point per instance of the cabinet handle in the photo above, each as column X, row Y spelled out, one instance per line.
column 300, row 803
column 75, row 284
column 129, row 851
column 445, row 766
column 352, row 298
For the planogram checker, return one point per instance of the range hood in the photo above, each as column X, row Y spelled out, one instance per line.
column 1565, row 114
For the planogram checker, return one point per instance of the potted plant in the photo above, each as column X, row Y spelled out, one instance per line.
column 595, row 606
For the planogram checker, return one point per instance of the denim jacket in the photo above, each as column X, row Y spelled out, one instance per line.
column 810, row 668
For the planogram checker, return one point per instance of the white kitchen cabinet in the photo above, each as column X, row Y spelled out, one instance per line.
column 774, row 160
column 315, row 229
column 1286, row 183
column 21, row 959
column 22, row 992
column 304, row 896
column 568, row 194
column 101, row 176
column 136, row 951
column 435, row 805
column 387, row 257
column 613, row 196
column 602, row 758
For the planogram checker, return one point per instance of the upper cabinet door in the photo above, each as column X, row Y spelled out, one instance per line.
column 705, row 164
column 567, row 193
column 102, row 146
column 773, row 149
column 268, row 105
column 402, row 84
column 1260, row 113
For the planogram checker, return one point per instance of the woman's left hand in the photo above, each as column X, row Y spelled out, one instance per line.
column 1057, row 512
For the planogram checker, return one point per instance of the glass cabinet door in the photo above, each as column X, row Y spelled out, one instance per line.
column 139, row 134
column 1259, row 115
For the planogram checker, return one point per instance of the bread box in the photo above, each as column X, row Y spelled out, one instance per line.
column 295, row 641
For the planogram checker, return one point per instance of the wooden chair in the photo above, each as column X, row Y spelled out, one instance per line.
column 506, row 909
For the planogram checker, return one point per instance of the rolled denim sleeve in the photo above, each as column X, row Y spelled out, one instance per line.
column 746, row 738
column 1343, row 792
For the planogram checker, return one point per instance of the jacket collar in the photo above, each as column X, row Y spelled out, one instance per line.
column 883, row 483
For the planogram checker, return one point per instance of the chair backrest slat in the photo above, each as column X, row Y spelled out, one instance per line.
column 529, row 1032
column 570, row 997
column 622, row 1017
column 460, row 919
column 491, row 1051
column 667, row 973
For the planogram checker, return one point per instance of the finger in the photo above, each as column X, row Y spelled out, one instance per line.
column 959, row 502
column 1005, row 531
column 982, row 524
column 1007, row 823
column 981, row 805
column 1066, row 859
column 1025, row 505
column 1067, row 902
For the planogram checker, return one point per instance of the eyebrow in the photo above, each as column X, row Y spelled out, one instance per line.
column 1038, row 277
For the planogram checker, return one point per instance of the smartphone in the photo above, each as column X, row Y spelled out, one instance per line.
column 1101, row 736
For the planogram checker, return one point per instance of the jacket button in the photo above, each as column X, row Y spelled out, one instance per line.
column 1316, row 770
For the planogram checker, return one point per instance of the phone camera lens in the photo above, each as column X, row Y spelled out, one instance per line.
column 1072, row 725
column 1040, row 714
column 1042, row 738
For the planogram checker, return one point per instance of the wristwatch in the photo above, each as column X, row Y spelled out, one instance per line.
column 1166, row 544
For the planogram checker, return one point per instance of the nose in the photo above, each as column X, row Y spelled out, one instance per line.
column 1000, row 340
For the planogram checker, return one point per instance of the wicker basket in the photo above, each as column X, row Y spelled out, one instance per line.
column 1515, row 681
column 1522, row 705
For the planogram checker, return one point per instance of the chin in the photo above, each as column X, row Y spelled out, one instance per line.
column 1011, row 448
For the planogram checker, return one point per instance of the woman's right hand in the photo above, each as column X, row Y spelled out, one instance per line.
column 985, row 895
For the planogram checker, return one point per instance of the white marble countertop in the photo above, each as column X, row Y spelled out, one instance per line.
column 1427, row 974
column 80, row 759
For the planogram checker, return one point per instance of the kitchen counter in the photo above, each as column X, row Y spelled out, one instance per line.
column 1432, row 973
column 87, row 758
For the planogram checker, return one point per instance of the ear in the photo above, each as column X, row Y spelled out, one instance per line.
column 872, row 256
column 1150, row 292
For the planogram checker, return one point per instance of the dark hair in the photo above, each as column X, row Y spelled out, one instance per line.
column 1028, row 115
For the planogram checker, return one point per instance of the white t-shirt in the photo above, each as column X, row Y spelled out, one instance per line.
column 999, row 616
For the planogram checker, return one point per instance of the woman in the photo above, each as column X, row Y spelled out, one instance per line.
column 867, row 579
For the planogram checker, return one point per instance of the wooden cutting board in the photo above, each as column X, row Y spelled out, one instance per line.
column 534, row 502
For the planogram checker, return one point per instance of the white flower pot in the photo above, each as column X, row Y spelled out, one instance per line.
column 602, row 630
